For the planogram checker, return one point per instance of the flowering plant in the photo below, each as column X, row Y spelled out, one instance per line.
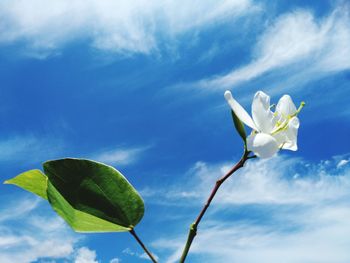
column 94, row 197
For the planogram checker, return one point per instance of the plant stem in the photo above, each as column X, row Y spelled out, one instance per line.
column 193, row 228
column 133, row 233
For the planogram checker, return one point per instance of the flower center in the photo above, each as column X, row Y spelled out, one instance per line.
column 282, row 123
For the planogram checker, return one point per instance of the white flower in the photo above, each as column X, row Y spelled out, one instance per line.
column 272, row 131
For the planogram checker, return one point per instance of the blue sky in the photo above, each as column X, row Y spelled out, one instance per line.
column 140, row 86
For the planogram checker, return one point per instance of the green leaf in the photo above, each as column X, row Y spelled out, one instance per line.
column 239, row 127
column 92, row 188
column 37, row 183
column 78, row 220
column 33, row 181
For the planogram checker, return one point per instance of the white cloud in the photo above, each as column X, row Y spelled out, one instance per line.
column 323, row 239
column 300, row 213
column 28, row 148
column 121, row 156
column 17, row 210
column 276, row 181
column 85, row 255
column 119, row 26
column 310, row 185
column 129, row 252
column 342, row 163
column 308, row 46
column 146, row 257
column 27, row 235
column 115, row 260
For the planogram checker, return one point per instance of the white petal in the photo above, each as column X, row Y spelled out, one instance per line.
column 239, row 110
column 291, row 135
column 262, row 144
column 262, row 115
column 285, row 106
column 281, row 138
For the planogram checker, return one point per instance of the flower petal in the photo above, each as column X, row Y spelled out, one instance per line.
column 239, row 110
column 262, row 115
column 281, row 138
column 291, row 135
column 285, row 106
column 262, row 144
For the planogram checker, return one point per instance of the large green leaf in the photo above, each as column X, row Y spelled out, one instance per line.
column 78, row 220
column 92, row 188
column 33, row 181
column 36, row 182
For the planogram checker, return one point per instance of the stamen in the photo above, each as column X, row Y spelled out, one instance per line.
column 281, row 126
column 302, row 104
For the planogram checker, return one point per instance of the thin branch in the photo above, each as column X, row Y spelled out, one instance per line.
column 133, row 233
column 193, row 228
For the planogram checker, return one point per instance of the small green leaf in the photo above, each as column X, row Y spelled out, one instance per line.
column 33, row 181
column 95, row 189
column 239, row 127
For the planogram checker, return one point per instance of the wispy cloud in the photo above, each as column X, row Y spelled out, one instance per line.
column 29, row 236
column 28, row 148
column 17, row 210
column 115, row 260
column 324, row 238
column 129, row 252
column 277, row 181
column 299, row 42
column 294, row 210
column 121, row 26
column 120, row 156
column 342, row 163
